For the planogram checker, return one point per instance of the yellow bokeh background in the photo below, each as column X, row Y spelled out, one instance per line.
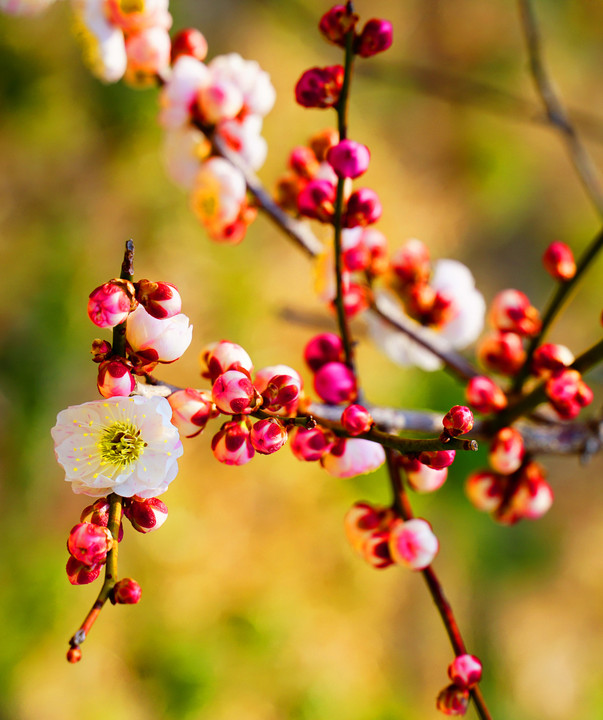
column 253, row 604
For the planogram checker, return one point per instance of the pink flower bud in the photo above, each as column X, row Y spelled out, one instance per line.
column 549, row 358
column 356, row 299
column 533, row 496
column 335, row 383
column 363, row 208
column 376, row 37
column 81, row 574
column 160, row 299
column 362, row 519
column 115, row 378
column 558, row 261
column 321, row 141
column 98, row 514
column 502, row 352
column 89, row 543
column 110, row 304
column 568, row 393
column 351, row 457
column 158, row 340
column 376, row 244
column 485, row 490
column 349, row 159
column 189, row 42
column 411, row 263
column 127, row 592
column 101, row 349
column 268, row 436
column 191, row 409
column 376, row 551
column 303, row 162
column 231, row 445
column 357, row 419
column 485, row 395
column 506, row 451
column 145, row 514
column 422, row 478
column 323, row 349
column 437, row 459
column 336, row 23
column 281, row 391
column 234, row 393
column 317, row 200
column 223, row 356
column 465, row 671
column 458, row 420
column 412, row 543
column 311, row 444
column 453, row 700
column 319, row 87
column 511, row 311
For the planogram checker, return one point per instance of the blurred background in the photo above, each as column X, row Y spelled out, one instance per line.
column 253, row 604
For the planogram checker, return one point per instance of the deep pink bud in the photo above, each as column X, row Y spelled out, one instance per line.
column 511, row 311
column 322, row 349
column 281, row 391
column 189, row 42
column 551, row 357
column 412, row 543
column 558, row 261
column 453, row 700
column 234, row 393
column 81, row 574
column 268, row 436
column 145, row 514
column 98, row 514
column 376, row 37
column 568, row 393
column 115, row 378
column 465, row 671
column 363, row 208
column 110, row 304
column 335, row 383
column 160, row 299
column 336, row 23
column 411, row 263
column 191, row 409
column 89, row 543
column 506, row 451
column 317, row 200
column 320, row 87
column 502, row 352
column 126, row 592
column 485, row 490
column 311, row 444
column 349, row 159
column 231, row 445
column 437, row 459
column 101, row 349
column 422, row 478
column 485, row 395
column 458, row 420
column 220, row 357
column 357, row 419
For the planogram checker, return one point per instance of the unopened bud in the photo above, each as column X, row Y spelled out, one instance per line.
column 115, row 378
column 485, row 490
column 362, row 519
column 89, row 543
column 220, row 357
column 363, row 208
column 234, row 393
column 303, row 162
column 98, row 514
column 189, row 42
column 191, row 409
column 411, row 263
column 110, row 304
column 322, row 349
column 558, row 261
column 74, row 654
column 145, row 514
column 349, row 159
column 506, row 451
column 357, row 420
column 453, row 700
column 551, row 357
column 281, row 391
column 79, row 573
column 127, row 592
column 101, row 349
column 335, row 383
column 458, row 420
column 336, row 23
column 268, row 436
column 502, row 352
column 376, row 37
column 465, row 671
column 310, row 444
column 231, row 445
column 317, row 200
column 320, row 87
column 160, row 299
column 321, row 141
column 412, row 543
column 437, row 459
column 511, row 311
column 422, row 478
column 485, row 395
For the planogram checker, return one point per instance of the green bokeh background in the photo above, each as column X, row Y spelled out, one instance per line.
column 253, row 604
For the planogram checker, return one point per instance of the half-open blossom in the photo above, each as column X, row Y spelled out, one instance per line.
column 353, row 456
column 465, row 670
column 462, row 326
column 511, row 311
column 123, row 445
column 218, row 193
column 127, row 592
column 558, row 261
column 145, row 514
column 376, row 37
column 114, row 378
column 179, row 93
column 412, row 543
column 191, row 409
column 485, row 490
column 158, row 340
column 254, row 83
column 148, row 55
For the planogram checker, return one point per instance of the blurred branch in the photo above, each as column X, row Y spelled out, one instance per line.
column 555, row 111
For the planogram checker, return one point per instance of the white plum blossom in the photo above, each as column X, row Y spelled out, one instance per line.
column 253, row 82
column 126, row 446
column 180, row 92
column 218, row 193
column 453, row 278
column 183, row 151
column 158, row 340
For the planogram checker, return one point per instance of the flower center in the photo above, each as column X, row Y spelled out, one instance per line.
column 120, row 444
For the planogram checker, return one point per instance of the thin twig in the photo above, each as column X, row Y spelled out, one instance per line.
column 556, row 113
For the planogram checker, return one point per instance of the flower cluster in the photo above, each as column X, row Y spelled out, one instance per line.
column 226, row 98
column 465, row 672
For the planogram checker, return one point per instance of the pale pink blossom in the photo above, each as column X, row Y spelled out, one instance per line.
column 506, row 451
column 184, row 149
column 180, row 92
column 253, row 82
column 218, row 193
column 412, row 543
column 158, row 340
column 244, row 138
column 354, row 456
column 148, row 53
column 191, row 409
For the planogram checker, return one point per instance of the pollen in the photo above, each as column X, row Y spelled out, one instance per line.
column 120, row 444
